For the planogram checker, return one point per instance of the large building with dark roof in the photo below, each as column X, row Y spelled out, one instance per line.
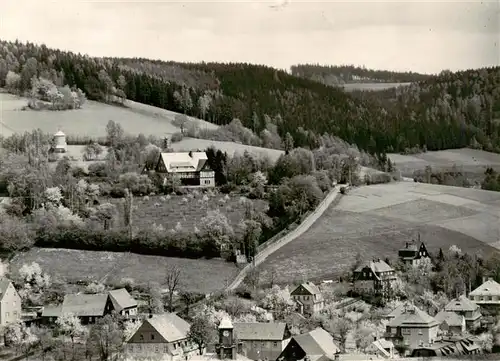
column 375, row 276
column 262, row 340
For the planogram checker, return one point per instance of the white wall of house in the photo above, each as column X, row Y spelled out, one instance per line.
column 10, row 306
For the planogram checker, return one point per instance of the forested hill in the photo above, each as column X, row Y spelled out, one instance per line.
column 447, row 111
column 346, row 74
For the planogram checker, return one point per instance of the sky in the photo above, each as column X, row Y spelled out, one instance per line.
column 398, row 35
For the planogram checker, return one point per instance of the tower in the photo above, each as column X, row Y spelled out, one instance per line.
column 227, row 346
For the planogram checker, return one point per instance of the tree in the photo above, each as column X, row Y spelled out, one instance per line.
column 216, row 228
column 70, row 326
column 21, row 337
column 12, row 81
column 279, row 301
column 340, row 326
column 181, row 121
column 201, row 333
column 91, row 151
column 288, row 143
column 172, row 281
column 155, row 302
column 114, row 133
column 106, row 337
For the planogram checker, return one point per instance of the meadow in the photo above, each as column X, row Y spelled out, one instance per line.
column 372, row 86
column 187, row 211
column 198, row 275
column 375, row 221
column 467, row 160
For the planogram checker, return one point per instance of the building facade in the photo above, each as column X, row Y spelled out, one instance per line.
column 262, row 340
column 412, row 328
column 10, row 303
column 465, row 307
column 161, row 337
column 413, row 254
column 309, row 298
column 316, row 345
column 189, row 168
column 374, row 277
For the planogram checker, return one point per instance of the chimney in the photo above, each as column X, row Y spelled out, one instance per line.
column 407, row 244
column 150, row 315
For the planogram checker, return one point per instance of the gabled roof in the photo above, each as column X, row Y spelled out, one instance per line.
column 84, row 304
column 121, row 299
column 317, row 342
column 488, row 288
column 412, row 316
column 4, row 285
column 170, row 326
column 377, row 266
column 451, row 318
column 272, row 331
column 52, row 311
column 309, row 287
column 461, row 303
column 184, row 162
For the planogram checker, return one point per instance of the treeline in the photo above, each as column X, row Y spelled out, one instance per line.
column 335, row 75
column 451, row 110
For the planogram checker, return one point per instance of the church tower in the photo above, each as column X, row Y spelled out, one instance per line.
column 227, row 348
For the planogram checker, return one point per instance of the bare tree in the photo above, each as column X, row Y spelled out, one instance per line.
column 172, row 281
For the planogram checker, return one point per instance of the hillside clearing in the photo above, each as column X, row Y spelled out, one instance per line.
column 467, row 160
column 198, row 275
column 90, row 120
column 376, row 221
column 372, row 86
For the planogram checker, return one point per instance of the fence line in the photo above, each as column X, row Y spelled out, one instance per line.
column 276, row 243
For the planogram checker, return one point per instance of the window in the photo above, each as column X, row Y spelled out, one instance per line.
column 405, row 331
column 275, row 344
column 141, row 337
column 165, row 349
column 157, row 348
column 420, row 332
column 138, row 347
column 262, row 344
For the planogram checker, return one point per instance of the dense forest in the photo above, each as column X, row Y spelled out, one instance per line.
column 450, row 110
column 337, row 75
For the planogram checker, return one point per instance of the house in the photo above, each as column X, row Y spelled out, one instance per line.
column 262, row 340
column 450, row 322
column 412, row 328
column 316, row 345
column 191, row 168
column 10, row 303
column 162, row 337
column 465, row 307
column 381, row 348
column 90, row 307
column 487, row 296
column 452, row 346
column 308, row 298
column 123, row 302
column 413, row 255
column 374, row 277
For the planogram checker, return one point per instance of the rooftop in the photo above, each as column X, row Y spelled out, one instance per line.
column 488, row 288
column 411, row 316
column 170, row 326
column 272, row 331
column 451, row 318
column 317, row 342
column 84, row 304
column 121, row 299
column 461, row 303
column 184, row 162
column 377, row 266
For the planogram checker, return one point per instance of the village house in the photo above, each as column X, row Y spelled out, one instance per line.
column 465, row 307
column 316, row 345
column 374, row 277
column 381, row 348
column 487, row 296
column 10, row 303
column 413, row 255
column 262, row 340
column 412, row 328
column 190, row 168
column 161, row 337
column 309, row 298
column 90, row 307
column 123, row 302
column 448, row 346
column 450, row 323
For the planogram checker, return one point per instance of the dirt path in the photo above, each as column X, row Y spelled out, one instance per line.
column 287, row 238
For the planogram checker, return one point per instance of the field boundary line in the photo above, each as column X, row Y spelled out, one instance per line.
column 276, row 244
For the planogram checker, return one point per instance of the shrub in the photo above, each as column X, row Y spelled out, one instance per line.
column 176, row 137
column 343, row 190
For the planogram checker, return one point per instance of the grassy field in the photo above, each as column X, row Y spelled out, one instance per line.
column 468, row 160
column 377, row 220
column 187, row 210
column 372, row 86
column 72, row 265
